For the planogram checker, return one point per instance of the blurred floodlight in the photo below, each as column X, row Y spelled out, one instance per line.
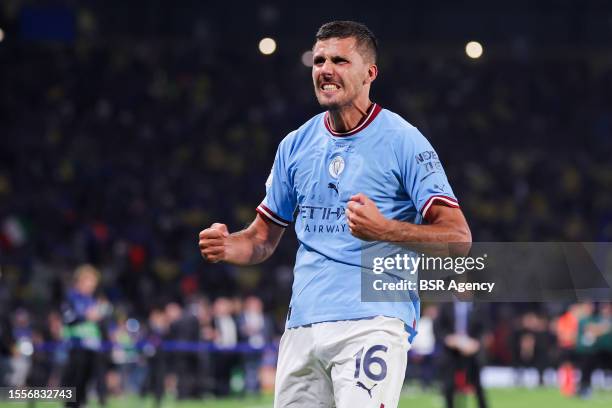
column 307, row 58
column 1, row 35
column 473, row 49
column 267, row 46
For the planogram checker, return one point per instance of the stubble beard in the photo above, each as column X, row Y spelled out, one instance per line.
column 335, row 105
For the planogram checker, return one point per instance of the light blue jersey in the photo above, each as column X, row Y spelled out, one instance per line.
column 315, row 172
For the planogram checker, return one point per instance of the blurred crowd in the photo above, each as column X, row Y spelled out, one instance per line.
column 117, row 150
column 567, row 341
column 187, row 348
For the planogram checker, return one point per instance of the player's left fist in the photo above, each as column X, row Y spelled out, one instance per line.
column 364, row 219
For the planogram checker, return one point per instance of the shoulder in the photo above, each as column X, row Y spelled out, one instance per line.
column 400, row 132
column 392, row 121
column 301, row 135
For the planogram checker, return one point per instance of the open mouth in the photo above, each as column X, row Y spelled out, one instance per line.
column 329, row 87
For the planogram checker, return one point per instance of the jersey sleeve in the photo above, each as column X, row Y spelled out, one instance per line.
column 424, row 176
column 279, row 204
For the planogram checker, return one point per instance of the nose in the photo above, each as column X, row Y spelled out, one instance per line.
column 327, row 69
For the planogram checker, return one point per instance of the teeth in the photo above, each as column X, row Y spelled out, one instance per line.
column 330, row 87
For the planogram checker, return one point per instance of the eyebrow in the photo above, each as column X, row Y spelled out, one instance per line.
column 335, row 59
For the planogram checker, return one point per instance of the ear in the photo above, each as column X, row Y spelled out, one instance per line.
column 372, row 74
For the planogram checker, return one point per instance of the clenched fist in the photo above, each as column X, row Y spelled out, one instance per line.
column 213, row 242
column 365, row 220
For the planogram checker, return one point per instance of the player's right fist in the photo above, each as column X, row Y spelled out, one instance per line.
column 213, row 241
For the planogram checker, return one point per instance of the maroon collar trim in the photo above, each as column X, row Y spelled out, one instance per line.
column 374, row 111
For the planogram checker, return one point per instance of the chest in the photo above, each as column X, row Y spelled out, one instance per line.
column 331, row 171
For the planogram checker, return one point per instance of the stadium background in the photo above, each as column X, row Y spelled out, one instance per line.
column 126, row 128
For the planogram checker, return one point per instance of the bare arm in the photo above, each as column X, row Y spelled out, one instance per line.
column 447, row 225
column 250, row 246
column 446, row 234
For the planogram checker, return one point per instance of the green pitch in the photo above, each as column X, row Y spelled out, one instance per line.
column 411, row 398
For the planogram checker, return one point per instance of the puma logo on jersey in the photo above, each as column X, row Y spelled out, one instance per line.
column 333, row 187
column 369, row 390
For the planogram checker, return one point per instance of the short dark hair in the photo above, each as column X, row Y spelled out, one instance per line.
column 366, row 40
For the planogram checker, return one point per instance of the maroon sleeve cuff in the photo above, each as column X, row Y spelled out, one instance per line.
column 439, row 199
column 271, row 216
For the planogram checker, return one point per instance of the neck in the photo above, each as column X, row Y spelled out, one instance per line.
column 348, row 117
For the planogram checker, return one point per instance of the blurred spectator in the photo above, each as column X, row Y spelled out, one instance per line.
column 103, row 357
column 594, row 345
column 24, row 346
column 422, row 353
column 42, row 360
column 566, row 328
column 184, row 332
column 256, row 328
column 124, row 334
column 156, row 356
column 502, row 336
column 81, row 313
column 202, row 310
column 460, row 329
column 530, row 345
column 226, row 337
column 56, row 348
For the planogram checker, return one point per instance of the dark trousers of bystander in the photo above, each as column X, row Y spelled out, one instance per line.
column 156, row 376
column 79, row 371
column 461, row 373
column 588, row 363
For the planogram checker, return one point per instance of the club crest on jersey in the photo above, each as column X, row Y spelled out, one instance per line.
column 336, row 166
